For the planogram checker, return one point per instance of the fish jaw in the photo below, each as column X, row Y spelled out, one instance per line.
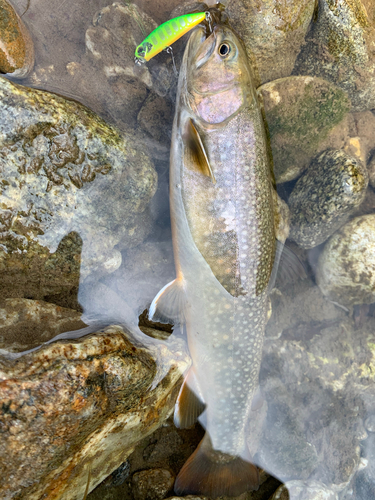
column 216, row 99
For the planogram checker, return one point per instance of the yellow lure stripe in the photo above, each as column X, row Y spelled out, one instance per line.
column 166, row 34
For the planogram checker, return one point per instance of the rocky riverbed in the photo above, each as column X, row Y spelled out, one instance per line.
column 85, row 244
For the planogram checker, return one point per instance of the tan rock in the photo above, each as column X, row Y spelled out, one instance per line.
column 16, row 45
column 78, row 406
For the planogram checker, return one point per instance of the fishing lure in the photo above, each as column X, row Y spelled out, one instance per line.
column 166, row 34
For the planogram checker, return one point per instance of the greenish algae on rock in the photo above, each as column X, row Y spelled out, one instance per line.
column 64, row 171
column 300, row 112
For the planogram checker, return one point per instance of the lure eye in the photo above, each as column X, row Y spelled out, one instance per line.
column 224, row 49
column 141, row 51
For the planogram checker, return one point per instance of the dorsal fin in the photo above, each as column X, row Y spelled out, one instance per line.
column 193, row 141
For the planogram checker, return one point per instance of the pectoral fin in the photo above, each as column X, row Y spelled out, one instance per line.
column 193, row 142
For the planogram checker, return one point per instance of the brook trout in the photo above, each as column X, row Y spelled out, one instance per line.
column 224, row 247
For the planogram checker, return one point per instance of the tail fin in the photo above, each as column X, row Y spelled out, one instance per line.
column 213, row 474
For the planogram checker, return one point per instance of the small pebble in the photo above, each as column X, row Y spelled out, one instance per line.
column 152, row 484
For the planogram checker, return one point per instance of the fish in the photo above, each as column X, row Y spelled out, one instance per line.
column 226, row 256
column 166, row 34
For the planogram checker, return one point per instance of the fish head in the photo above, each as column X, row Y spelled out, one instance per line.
column 218, row 76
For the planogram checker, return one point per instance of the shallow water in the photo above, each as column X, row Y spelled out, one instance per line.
column 315, row 428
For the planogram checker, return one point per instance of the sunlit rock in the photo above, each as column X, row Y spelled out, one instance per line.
column 64, row 171
column 340, row 48
column 346, row 269
column 325, row 196
column 78, row 406
column 16, row 45
column 270, row 28
column 300, row 113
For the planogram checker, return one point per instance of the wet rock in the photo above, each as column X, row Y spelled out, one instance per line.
column 111, row 42
column 319, row 387
column 268, row 27
column 364, row 485
column 64, row 170
column 156, row 118
column 346, row 268
column 368, row 204
column 284, row 448
column 371, row 171
column 300, row 310
column 16, row 46
column 300, row 112
column 152, row 484
column 281, row 217
column 25, row 324
column 304, row 490
column 325, row 196
column 340, row 48
column 80, row 405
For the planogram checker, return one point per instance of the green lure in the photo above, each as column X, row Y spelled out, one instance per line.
column 166, row 34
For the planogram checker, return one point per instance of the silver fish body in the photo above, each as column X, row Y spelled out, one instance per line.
column 224, row 244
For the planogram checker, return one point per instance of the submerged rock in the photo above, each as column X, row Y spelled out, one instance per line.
column 319, row 386
column 16, row 45
column 25, row 324
column 346, row 267
column 340, row 48
column 81, row 405
column 300, row 112
column 152, row 484
column 111, row 42
column 268, row 28
column 325, row 196
column 304, row 490
column 64, row 170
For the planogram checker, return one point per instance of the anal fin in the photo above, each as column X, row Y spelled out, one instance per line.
column 189, row 404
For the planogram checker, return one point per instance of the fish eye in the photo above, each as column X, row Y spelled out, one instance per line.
column 224, row 49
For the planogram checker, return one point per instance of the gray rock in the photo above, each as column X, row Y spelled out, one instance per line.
column 16, row 45
column 64, row 170
column 111, row 42
column 319, row 387
column 304, row 490
column 339, row 48
column 152, row 484
column 325, row 196
column 281, row 217
column 300, row 113
column 371, row 171
column 81, row 405
column 300, row 310
column 269, row 28
column 346, row 267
